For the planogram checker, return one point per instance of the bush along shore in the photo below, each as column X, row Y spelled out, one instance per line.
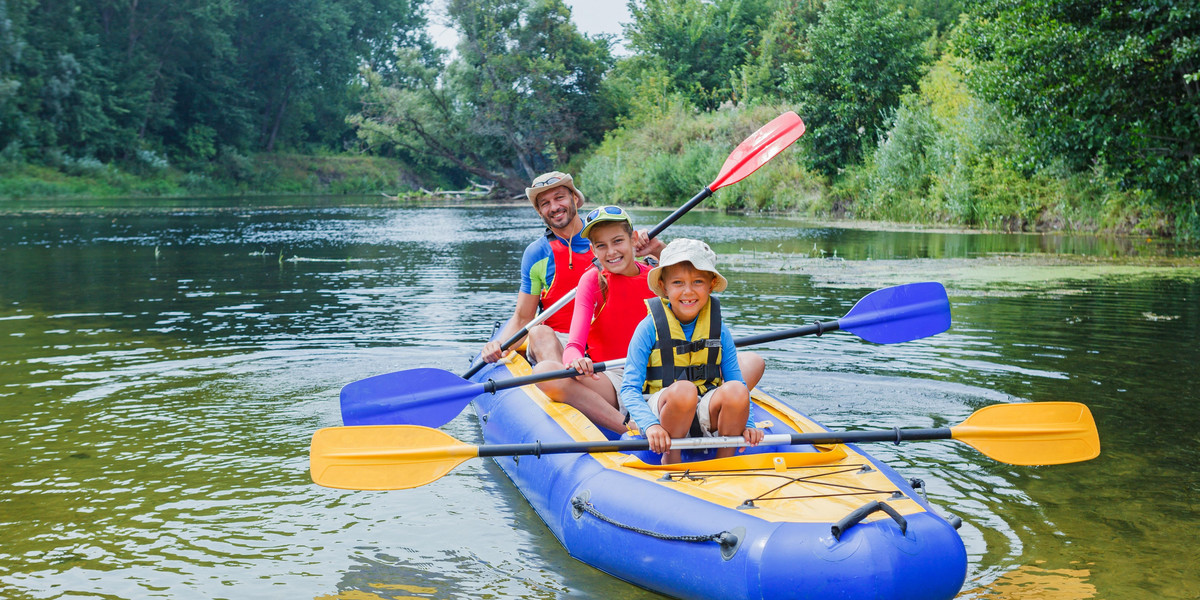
column 933, row 167
column 937, row 165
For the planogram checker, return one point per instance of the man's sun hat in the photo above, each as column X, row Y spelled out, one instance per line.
column 605, row 214
column 686, row 250
column 549, row 181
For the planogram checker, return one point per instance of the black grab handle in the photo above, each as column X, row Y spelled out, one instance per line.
column 861, row 513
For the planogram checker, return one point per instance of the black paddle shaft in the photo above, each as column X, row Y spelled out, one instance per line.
column 817, row 328
column 895, row 435
column 492, row 386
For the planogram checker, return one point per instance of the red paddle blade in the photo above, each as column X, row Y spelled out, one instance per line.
column 760, row 147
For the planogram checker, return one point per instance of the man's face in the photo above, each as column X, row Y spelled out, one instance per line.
column 557, row 207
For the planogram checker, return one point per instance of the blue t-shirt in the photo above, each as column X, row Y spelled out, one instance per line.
column 638, row 358
column 537, row 264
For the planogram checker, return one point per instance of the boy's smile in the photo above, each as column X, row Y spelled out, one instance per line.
column 687, row 288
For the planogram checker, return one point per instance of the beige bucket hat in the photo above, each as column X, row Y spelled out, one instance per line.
column 549, row 181
column 686, row 250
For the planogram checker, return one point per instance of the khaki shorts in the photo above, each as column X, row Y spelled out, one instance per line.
column 563, row 338
column 701, row 410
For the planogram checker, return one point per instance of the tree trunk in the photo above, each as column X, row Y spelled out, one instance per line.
column 279, row 118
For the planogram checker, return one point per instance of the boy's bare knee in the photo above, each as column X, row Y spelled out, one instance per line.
column 732, row 394
column 682, row 395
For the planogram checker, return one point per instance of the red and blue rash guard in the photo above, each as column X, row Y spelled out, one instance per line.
column 550, row 279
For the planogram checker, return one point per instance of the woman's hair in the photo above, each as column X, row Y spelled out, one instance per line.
column 600, row 271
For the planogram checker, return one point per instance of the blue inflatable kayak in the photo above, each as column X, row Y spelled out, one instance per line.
column 821, row 522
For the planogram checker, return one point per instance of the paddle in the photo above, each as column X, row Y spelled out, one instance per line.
column 432, row 397
column 752, row 153
column 390, row 457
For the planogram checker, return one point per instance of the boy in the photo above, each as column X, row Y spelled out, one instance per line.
column 682, row 358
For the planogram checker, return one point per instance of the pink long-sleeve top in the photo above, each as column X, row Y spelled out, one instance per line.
column 587, row 299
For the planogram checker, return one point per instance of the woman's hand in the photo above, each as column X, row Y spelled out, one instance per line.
column 660, row 440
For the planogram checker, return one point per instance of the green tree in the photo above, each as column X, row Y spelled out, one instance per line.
column 701, row 44
column 1098, row 82
column 523, row 95
column 862, row 57
column 111, row 79
column 301, row 57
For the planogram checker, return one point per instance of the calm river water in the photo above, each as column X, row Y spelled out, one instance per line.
column 163, row 369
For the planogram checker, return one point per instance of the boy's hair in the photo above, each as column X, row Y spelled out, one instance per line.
column 686, row 250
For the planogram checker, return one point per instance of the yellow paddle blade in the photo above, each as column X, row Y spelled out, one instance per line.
column 383, row 457
column 1037, row 433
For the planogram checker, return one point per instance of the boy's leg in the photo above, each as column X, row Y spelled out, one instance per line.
column 752, row 366
column 595, row 398
column 676, row 409
column 728, row 410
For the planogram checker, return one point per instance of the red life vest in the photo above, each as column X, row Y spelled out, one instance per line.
column 568, row 268
column 623, row 309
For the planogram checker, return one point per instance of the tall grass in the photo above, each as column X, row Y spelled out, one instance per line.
column 666, row 158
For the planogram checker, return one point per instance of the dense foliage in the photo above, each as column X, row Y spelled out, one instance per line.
column 862, row 55
column 1112, row 83
column 1014, row 114
column 169, row 80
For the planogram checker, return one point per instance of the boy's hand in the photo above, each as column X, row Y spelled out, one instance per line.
column 753, row 436
column 660, row 440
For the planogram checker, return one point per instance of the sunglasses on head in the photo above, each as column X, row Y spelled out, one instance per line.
column 612, row 210
column 550, row 181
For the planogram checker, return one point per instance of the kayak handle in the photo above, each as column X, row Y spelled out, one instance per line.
column 861, row 513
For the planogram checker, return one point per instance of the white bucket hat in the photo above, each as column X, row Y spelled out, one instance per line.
column 549, row 181
column 686, row 250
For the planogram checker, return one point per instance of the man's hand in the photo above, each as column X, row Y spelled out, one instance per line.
column 491, row 352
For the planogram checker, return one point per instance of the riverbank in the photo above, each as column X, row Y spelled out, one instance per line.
column 263, row 174
column 782, row 187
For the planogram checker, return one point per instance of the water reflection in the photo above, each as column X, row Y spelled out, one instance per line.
column 164, row 370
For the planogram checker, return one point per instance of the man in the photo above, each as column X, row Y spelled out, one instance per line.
column 551, row 268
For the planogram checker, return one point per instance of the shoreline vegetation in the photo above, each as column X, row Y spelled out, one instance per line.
column 1010, row 116
column 658, row 162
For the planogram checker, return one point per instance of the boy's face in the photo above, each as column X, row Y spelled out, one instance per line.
column 687, row 288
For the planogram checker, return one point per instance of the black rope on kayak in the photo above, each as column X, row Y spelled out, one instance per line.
column 725, row 538
column 812, row 479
